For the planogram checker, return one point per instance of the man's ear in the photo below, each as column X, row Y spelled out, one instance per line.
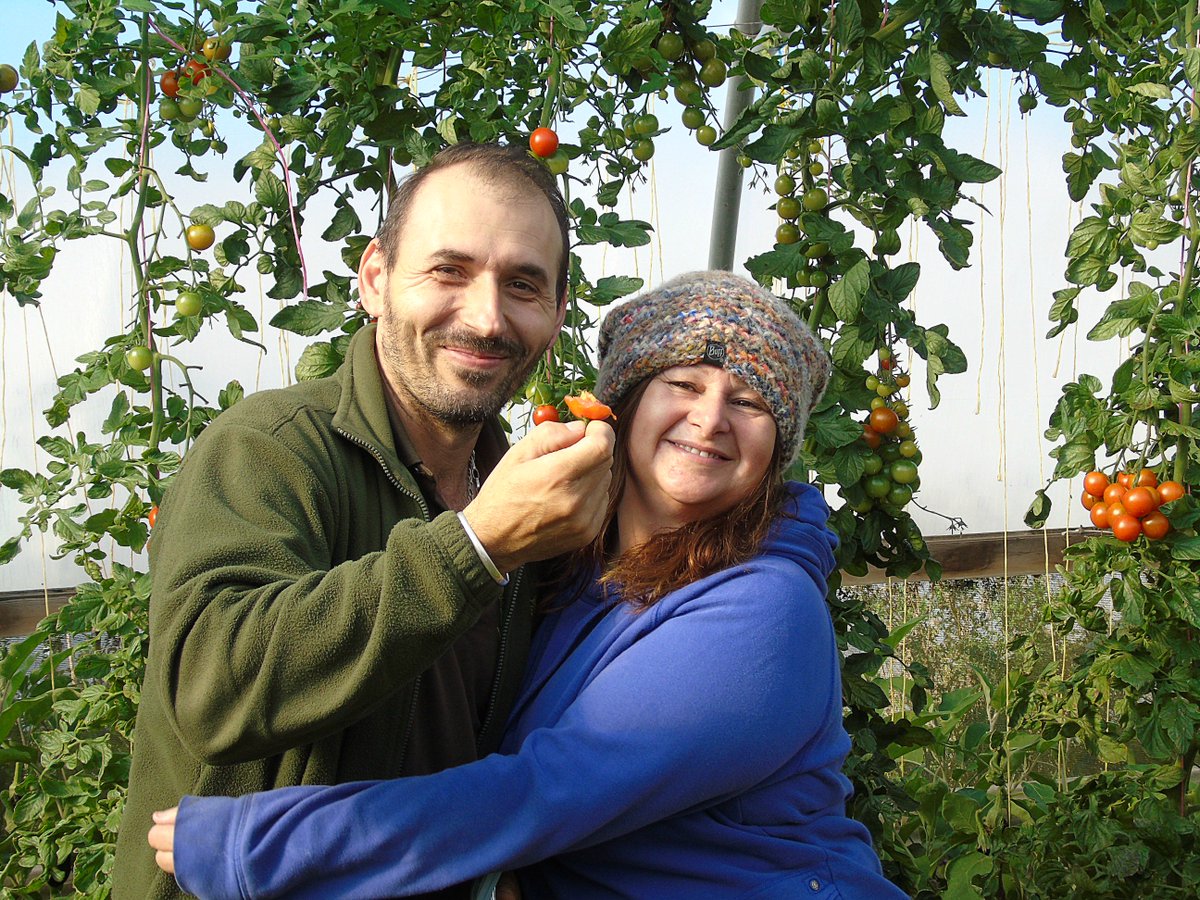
column 372, row 279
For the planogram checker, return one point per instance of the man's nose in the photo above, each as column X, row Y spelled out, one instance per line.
column 482, row 308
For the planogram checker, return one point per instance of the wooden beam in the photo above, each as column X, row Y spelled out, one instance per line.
column 961, row 556
column 993, row 554
column 20, row 611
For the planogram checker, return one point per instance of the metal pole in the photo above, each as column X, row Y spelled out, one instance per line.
column 728, row 195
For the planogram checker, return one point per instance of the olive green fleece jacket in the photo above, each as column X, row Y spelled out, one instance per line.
column 299, row 590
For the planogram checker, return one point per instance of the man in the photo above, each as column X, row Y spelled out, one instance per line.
column 336, row 596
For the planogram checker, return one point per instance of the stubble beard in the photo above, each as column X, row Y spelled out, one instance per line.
column 411, row 367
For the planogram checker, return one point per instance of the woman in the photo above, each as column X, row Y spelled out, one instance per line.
column 680, row 729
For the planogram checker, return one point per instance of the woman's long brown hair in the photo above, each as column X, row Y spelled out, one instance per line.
column 669, row 560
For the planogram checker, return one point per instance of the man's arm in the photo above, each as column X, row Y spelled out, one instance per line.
column 258, row 644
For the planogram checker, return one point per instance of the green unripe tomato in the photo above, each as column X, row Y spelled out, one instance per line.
column 706, row 135
column 689, row 93
column 872, row 383
column 744, row 160
column 815, row 199
column 692, row 118
column 558, row 163
column 139, row 358
column 670, row 46
column 705, row 50
column 713, row 73
column 642, row 149
column 878, row 402
column 816, row 249
column 908, row 449
column 900, row 495
column 188, row 303
column 8, row 79
column 190, row 107
column 168, row 109
column 788, row 208
column 818, row 279
column 814, row 147
column 889, row 451
column 877, row 486
column 787, row 233
column 785, row 185
column 903, row 470
column 816, row 168
column 872, row 465
column 647, row 124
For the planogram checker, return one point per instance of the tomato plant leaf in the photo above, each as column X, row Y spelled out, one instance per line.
column 1151, row 89
column 317, row 361
column 939, row 80
column 846, row 294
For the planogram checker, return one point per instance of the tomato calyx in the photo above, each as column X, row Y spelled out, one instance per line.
column 586, row 406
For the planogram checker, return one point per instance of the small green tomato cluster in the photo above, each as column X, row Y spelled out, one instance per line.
column 890, row 472
column 798, row 196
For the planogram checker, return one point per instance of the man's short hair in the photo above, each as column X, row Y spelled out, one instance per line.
column 504, row 164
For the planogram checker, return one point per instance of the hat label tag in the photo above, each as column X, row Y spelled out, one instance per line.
column 714, row 352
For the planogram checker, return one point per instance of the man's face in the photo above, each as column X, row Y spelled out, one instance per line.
column 468, row 304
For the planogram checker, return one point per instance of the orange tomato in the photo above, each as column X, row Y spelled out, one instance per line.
column 1170, row 491
column 586, row 406
column 1139, row 501
column 1116, row 508
column 871, row 437
column 884, row 420
column 1099, row 515
column 153, row 517
column 1125, row 478
column 1114, row 492
column 1146, row 478
column 1155, row 526
column 1126, row 528
column 1095, row 483
column 1088, row 500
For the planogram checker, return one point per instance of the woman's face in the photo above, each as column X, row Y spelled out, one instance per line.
column 700, row 442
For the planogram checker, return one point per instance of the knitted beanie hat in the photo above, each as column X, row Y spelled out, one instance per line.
column 718, row 318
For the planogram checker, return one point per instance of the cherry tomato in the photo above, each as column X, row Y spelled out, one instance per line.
column 1114, row 492
column 188, row 303
column 153, row 517
column 1126, row 528
column 169, row 82
column 196, row 70
column 884, row 420
column 1146, row 478
column 216, row 50
column 1155, row 526
column 1139, row 501
column 1095, row 483
column 9, row 79
column 1099, row 514
column 545, row 413
column 642, row 149
column 1088, row 500
column 543, row 142
column 871, row 437
column 586, row 406
column 1125, row 479
column 1170, row 491
column 200, row 237
column 139, row 358
column 1115, row 509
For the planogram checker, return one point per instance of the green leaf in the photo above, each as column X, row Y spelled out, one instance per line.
column 9, row 549
column 318, row 361
column 613, row 287
column 1151, row 89
column 939, row 80
column 309, row 317
column 846, row 294
column 967, row 168
column 847, row 23
column 1039, row 510
column 1186, row 548
column 269, row 190
column 1191, row 66
column 345, row 221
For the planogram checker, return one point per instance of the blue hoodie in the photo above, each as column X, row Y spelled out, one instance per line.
column 693, row 750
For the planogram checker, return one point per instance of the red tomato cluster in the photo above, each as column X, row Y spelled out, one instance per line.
column 1129, row 506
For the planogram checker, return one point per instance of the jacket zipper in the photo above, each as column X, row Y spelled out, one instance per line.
column 412, row 701
column 504, row 634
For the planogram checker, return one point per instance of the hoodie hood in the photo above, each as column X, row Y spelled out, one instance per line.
column 802, row 533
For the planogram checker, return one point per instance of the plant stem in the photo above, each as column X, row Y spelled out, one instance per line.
column 1188, row 760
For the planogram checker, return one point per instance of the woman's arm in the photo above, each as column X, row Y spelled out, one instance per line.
column 716, row 698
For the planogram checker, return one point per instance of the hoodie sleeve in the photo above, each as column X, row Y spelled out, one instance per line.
column 719, row 695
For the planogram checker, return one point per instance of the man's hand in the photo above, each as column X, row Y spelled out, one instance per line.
column 162, row 839
column 547, row 496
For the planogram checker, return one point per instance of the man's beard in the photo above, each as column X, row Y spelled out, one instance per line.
column 455, row 407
